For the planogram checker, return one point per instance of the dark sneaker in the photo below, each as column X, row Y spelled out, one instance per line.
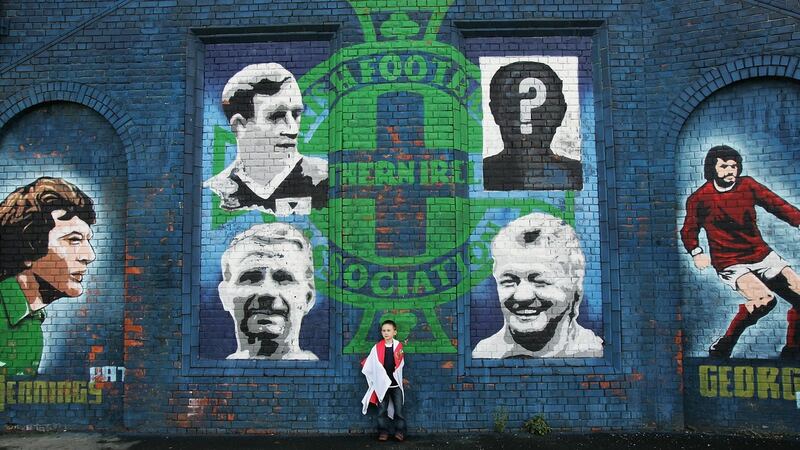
column 383, row 437
column 399, row 437
column 722, row 348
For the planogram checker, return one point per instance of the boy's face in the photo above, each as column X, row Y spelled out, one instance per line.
column 388, row 332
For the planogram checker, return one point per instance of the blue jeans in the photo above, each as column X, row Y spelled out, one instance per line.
column 396, row 395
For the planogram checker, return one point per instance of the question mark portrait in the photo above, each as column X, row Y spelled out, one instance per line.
column 528, row 105
column 527, row 102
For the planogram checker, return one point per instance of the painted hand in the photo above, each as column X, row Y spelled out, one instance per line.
column 701, row 261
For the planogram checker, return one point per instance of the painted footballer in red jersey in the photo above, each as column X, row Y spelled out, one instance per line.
column 725, row 208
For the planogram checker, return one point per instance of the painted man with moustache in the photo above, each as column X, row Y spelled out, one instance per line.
column 724, row 206
column 539, row 270
column 264, row 106
column 268, row 288
column 45, row 251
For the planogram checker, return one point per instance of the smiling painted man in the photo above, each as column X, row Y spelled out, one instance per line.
column 264, row 106
column 539, row 269
column 268, row 287
column 45, row 251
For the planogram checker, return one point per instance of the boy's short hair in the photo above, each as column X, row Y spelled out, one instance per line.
column 390, row 322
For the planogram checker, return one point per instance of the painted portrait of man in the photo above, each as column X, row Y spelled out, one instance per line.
column 268, row 288
column 527, row 102
column 539, row 270
column 45, row 251
column 725, row 207
column 264, row 106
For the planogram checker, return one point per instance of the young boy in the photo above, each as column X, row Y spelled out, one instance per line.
column 383, row 369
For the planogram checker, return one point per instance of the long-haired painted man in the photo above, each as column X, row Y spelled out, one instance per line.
column 725, row 207
column 45, row 250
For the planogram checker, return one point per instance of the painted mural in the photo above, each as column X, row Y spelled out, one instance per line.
column 385, row 158
column 737, row 223
column 264, row 107
column 61, row 266
column 725, row 208
column 45, row 251
column 268, row 287
column 535, row 213
column 532, row 103
column 539, row 269
column 737, row 219
column 265, row 208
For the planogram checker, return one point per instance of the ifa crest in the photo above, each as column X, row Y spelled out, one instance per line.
column 399, row 119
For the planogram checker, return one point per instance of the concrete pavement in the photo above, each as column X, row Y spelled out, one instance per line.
column 595, row 441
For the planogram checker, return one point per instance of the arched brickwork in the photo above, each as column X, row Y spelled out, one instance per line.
column 75, row 133
column 72, row 92
column 716, row 79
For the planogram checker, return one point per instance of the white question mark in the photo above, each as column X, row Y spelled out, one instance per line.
column 528, row 104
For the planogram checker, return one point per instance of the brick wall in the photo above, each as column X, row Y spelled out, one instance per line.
column 124, row 99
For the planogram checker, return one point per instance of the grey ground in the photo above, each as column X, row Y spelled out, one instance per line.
column 596, row 441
